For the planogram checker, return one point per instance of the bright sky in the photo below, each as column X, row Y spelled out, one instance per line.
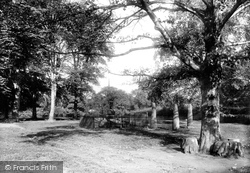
column 134, row 61
column 137, row 60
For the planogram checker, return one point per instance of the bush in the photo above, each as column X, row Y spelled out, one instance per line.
column 167, row 113
column 230, row 118
column 25, row 114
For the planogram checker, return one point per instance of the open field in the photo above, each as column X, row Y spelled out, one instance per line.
column 116, row 151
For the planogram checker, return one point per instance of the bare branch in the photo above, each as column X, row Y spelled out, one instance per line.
column 129, row 3
column 121, row 23
column 241, row 8
column 233, row 10
column 117, row 6
column 237, row 44
column 168, row 41
column 133, row 74
column 191, row 10
column 130, row 51
column 129, row 16
column 103, row 54
column 205, row 2
column 132, row 39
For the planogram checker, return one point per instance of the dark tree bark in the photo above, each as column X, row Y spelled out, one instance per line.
column 190, row 115
column 153, row 123
column 190, row 145
column 228, row 148
column 16, row 103
column 210, row 127
column 208, row 68
column 75, row 106
column 6, row 109
column 176, row 120
column 5, row 105
column 34, row 114
column 53, row 97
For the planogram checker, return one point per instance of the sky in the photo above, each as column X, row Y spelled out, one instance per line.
column 143, row 59
column 137, row 60
column 133, row 61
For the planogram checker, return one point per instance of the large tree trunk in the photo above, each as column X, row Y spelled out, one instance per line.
column 75, row 107
column 53, row 98
column 153, row 116
column 34, row 115
column 6, row 113
column 190, row 115
column 210, row 126
column 6, row 107
column 176, row 120
column 16, row 104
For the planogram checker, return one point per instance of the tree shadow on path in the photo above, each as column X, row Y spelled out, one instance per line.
column 56, row 133
column 167, row 137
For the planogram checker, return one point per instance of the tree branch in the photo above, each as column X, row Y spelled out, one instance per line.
column 237, row 44
column 103, row 54
column 241, row 8
column 168, row 41
column 205, row 3
column 232, row 11
column 121, row 23
column 130, row 40
column 130, row 51
column 128, row 3
column 191, row 10
column 133, row 74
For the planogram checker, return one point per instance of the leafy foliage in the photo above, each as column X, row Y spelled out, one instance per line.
column 39, row 39
column 110, row 99
column 140, row 99
column 235, row 89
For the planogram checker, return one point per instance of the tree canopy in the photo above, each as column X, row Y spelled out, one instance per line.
column 200, row 35
column 56, row 39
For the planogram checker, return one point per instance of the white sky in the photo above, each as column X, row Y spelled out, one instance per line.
column 137, row 60
column 134, row 61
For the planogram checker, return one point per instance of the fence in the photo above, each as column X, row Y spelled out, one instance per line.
column 138, row 120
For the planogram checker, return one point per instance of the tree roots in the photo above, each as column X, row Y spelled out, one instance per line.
column 228, row 148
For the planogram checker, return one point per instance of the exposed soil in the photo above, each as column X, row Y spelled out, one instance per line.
column 116, row 150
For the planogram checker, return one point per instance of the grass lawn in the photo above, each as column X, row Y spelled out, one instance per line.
column 116, row 150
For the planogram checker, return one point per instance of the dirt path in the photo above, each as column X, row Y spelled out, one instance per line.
column 111, row 151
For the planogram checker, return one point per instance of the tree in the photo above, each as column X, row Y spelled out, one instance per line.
column 53, row 15
column 85, row 69
column 33, row 86
column 140, row 99
column 78, row 83
column 153, row 123
column 68, row 28
column 201, row 46
column 190, row 113
column 20, row 43
column 110, row 99
column 176, row 119
column 235, row 89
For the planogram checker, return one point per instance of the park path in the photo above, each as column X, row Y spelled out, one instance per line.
column 111, row 151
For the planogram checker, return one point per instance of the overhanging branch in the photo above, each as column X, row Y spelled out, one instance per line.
column 132, row 39
column 131, row 50
column 233, row 10
column 194, row 11
column 238, row 44
column 103, row 54
column 168, row 41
